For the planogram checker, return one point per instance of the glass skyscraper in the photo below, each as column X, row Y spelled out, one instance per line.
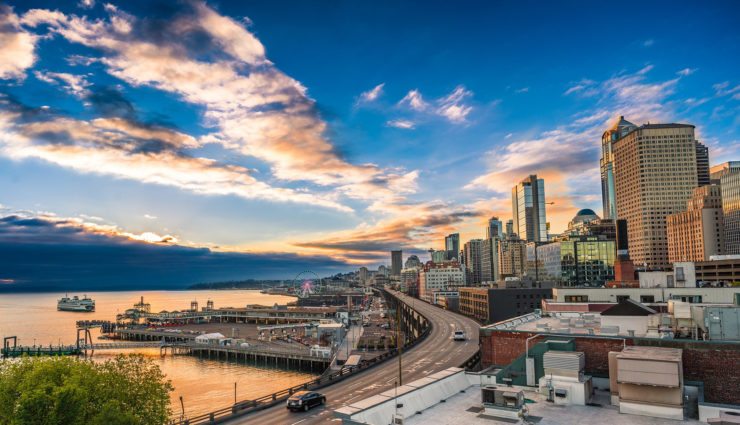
column 608, row 190
column 452, row 246
column 528, row 208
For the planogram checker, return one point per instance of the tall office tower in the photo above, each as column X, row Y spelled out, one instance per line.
column 509, row 227
column 452, row 246
column 363, row 275
column 489, row 260
column 728, row 175
column 439, row 256
column 528, row 208
column 702, row 164
column 494, row 229
column 654, row 175
column 473, row 259
column 697, row 233
column 396, row 262
column 512, row 255
column 619, row 130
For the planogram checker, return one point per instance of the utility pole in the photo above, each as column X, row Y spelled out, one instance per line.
column 234, row 392
column 398, row 341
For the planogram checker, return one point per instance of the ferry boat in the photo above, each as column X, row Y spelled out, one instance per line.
column 76, row 303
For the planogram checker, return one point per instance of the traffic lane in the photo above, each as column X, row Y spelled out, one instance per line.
column 422, row 360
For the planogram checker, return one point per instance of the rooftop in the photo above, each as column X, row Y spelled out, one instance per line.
column 464, row 409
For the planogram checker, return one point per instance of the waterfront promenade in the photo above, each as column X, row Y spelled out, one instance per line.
column 437, row 352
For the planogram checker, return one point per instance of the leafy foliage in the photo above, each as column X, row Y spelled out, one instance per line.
column 127, row 390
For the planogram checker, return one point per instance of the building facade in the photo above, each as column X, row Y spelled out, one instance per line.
column 697, row 233
column 439, row 276
column 491, row 305
column 396, row 262
column 702, row 164
column 730, row 189
column 512, row 257
column 606, row 163
column 528, row 209
column 439, row 256
column 489, row 260
column 495, row 228
column 452, row 246
column 655, row 174
column 473, row 250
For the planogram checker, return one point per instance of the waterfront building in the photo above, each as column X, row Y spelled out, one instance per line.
column 728, row 176
column 439, row 276
column 489, row 260
column 511, row 257
column 528, row 208
column 473, row 261
column 606, row 163
column 697, row 233
column 396, row 262
column 655, row 174
column 452, row 246
column 494, row 228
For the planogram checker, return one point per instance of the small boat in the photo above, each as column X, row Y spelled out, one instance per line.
column 76, row 303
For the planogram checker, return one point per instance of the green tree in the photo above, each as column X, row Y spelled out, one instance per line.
column 128, row 390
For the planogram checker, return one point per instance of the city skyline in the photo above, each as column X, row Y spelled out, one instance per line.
column 252, row 139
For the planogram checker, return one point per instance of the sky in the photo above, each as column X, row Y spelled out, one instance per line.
column 163, row 143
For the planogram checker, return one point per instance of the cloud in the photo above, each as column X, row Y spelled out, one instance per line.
column 584, row 87
column 724, row 89
column 686, row 72
column 86, row 4
column 46, row 253
column 150, row 217
column 453, row 106
column 414, row 100
column 216, row 63
column 649, row 42
column 132, row 150
column 16, row 46
column 76, row 85
column 523, row 90
column 371, row 95
column 404, row 124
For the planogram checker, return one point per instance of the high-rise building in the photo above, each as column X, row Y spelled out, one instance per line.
column 396, row 262
column 452, row 246
column 439, row 276
column 494, row 228
column 489, row 260
column 654, row 175
column 383, row 271
column 412, row 261
column 619, row 130
column 509, row 227
column 697, row 233
column 528, row 208
column 728, row 175
column 511, row 257
column 439, row 256
column 473, row 259
column 363, row 275
column 702, row 164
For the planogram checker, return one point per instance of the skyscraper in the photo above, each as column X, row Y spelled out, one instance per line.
column 473, row 261
column 728, row 175
column 619, row 130
column 489, row 260
column 509, row 227
column 494, row 228
column 697, row 233
column 452, row 246
column 528, row 208
column 654, row 175
column 512, row 256
column 702, row 164
column 396, row 262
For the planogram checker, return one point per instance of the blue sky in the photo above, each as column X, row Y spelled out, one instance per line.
column 335, row 131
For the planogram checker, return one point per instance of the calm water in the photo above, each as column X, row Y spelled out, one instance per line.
column 204, row 384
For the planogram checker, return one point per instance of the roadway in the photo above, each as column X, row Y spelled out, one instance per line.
column 437, row 352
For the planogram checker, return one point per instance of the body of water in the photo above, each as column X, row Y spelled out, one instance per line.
column 205, row 385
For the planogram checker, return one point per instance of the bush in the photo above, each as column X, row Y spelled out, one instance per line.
column 66, row 390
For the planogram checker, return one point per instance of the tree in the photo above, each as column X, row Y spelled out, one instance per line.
column 129, row 390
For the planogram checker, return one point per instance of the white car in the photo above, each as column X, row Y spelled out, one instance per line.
column 459, row 336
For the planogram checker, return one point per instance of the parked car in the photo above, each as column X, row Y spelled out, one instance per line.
column 459, row 336
column 304, row 400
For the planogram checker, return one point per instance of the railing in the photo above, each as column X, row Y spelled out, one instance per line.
column 248, row 406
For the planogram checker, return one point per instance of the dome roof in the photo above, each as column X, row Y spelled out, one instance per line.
column 586, row 211
column 583, row 216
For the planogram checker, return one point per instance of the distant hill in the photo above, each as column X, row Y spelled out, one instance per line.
column 238, row 284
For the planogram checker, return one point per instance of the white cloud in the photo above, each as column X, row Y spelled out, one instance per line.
column 404, row 124
column 453, row 107
column 150, row 217
column 523, row 90
column 508, row 136
column 86, row 4
column 686, row 72
column 648, row 42
column 414, row 100
column 16, row 46
column 76, row 85
column 724, row 89
column 372, row 94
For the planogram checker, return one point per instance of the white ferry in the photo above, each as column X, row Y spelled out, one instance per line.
column 76, row 303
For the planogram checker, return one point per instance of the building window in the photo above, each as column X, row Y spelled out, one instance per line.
column 647, row 298
column 621, row 298
column 576, row 298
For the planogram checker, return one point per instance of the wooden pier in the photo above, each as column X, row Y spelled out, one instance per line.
column 258, row 355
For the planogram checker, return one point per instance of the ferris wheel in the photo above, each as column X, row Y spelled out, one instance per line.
column 306, row 283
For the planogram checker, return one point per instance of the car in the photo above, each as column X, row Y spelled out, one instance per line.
column 459, row 336
column 304, row 400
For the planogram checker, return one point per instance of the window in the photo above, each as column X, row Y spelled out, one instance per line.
column 621, row 298
column 647, row 298
column 576, row 298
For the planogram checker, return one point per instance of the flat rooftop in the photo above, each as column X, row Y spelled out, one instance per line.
column 651, row 353
column 465, row 409
column 572, row 323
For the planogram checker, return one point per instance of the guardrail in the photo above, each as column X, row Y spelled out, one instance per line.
column 248, row 406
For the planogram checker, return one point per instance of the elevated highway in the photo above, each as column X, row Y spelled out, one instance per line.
column 437, row 352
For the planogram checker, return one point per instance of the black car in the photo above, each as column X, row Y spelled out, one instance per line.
column 304, row 400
